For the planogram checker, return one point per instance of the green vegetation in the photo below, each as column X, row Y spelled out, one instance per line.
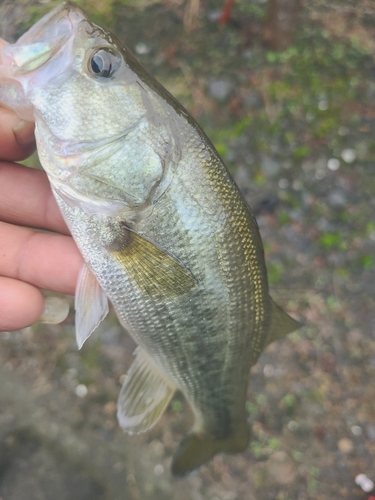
column 274, row 271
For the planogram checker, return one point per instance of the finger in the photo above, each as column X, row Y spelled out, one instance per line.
column 21, row 304
column 17, row 140
column 26, row 199
column 47, row 261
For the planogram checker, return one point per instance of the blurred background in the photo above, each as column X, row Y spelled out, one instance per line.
column 285, row 90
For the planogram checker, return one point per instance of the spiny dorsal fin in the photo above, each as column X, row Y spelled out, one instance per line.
column 156, row 273
column 281, row 324
column 144, row 396
column 91, row 305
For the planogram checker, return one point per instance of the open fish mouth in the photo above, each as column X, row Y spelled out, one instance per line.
column 43, row 53
column 41, row 42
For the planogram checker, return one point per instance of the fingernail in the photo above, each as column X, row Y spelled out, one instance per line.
column 56, row 309
column 24, row 132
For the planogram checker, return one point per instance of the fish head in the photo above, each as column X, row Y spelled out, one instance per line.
column 90, row 99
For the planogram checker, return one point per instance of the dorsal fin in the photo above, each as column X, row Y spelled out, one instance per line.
column 281, row 324
column 144, row 395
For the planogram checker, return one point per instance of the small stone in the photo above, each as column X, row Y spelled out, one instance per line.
column 292, row 425
column 81, row 390
column 343, row 131
column 356, row 430
column 371, row 432
column 364, row 482
column 281, row 469
column 337, row 199
column 345, row 445
column 333, row 164
column 248, row 54
column 310, row 116
column 320, row 174
column 214, row 15
column 253, row 100
column 110, row 408
column 269, row 166
column 348, row 155
column 220, row 89
column 141, row 48
column 249, row 159
column 158, row 470
column 130, row 478
column 269, row 371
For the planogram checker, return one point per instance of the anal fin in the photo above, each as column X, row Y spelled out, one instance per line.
column 281, row 324
column 144, row 395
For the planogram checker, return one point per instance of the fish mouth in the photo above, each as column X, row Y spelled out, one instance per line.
column 43, row 53
column 42, row 41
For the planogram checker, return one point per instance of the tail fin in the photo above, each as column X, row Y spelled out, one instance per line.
column 197, row 448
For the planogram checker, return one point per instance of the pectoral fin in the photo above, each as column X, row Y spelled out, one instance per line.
column 144, row 396
column 281, row 324
column 155, row 272
column 91, row 305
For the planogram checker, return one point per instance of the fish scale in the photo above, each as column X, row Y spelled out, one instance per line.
column 164, row 231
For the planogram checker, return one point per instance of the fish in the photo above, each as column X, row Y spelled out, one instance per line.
column 165, row 234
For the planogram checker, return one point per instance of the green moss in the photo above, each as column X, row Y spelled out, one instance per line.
column 176, row 405
column 367, row 261
column 331, row 240
column 275, row 271
column 288, row 401
column 252, row 409
column 274, row 443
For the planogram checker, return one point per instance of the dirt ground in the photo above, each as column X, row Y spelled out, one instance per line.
column 296, row 129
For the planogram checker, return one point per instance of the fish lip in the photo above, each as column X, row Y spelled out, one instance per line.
column 65, row 11
column 38, row 56
column 42, row 41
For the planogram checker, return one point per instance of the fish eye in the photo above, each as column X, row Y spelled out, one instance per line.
column 104, row 62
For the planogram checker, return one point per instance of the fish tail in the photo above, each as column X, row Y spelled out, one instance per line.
column 198, row 447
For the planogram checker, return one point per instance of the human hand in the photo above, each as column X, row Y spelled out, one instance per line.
column 30, row 260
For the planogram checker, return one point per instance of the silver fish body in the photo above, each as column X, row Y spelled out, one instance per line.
column 163, row 229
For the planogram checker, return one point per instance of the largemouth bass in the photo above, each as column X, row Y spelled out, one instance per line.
column 164, row 231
